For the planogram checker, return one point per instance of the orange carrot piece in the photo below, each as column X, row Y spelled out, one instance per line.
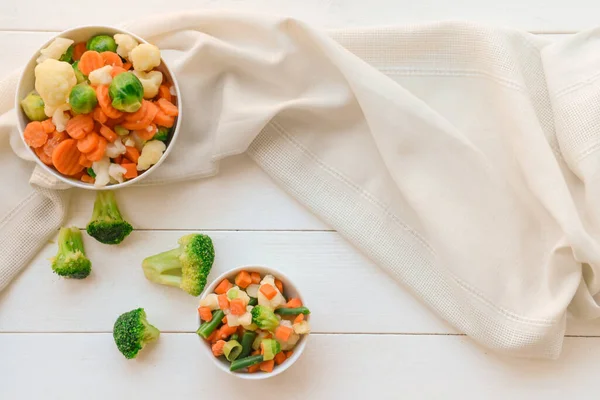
column 299, row 319
column 223, row 301
column 225, row 331
column 111, row 59
column 87, row 179
column 147, row 133
column 66, row 157
column 254, row 368
column 48, row 126
column 279, row 358
column 132, row 154
column 224, row 320
column 105, row 102
column 116, row 71
column 79, row 126
column 78, row 51
column 168, row 108
column 35, row 135
column 141, row 118
column 77, row 175
column 53, row 141
column 294, row 303
column 268, row 290
column 255, row 277
column 45, row 158
column 83, row 160
column 127, row 66
column 288, row 354
column 279, row 285
column 131, row 170
column 223, row 287
column 98, row 153
column 163, row 119
column 99, row 116
column 217, row 348
column 237, row 307
column 118, row 159
column 90, row 61
column 267, row 366
column 243, row 279
column 283, row 333
column 206, row 314
column 212, row 337
column 88, row 143
column 108, row 134
column 165, row 93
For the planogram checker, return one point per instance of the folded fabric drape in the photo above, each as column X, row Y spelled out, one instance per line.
column 462, row 159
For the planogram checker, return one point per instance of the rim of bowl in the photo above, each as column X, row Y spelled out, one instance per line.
column 58, row 175
column 300, row 346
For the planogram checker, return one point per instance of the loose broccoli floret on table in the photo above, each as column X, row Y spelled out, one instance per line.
column 71, row 261
column 132, row 332
column 107, row 225
column 186, row 267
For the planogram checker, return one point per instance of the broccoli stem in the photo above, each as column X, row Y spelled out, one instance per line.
column 292, row 311
column 70, row 240
column 245, row 362
column 208, row 327
column 253, row 301
column 168, row 260
column 105, row 206
column 247, row 340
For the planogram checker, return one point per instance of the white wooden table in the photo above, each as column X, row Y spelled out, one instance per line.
column 55, row 335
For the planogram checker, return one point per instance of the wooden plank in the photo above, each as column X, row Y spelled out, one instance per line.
column 69, row 366
column 536, row 15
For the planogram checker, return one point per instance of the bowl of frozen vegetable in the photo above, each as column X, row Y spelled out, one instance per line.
column 98, row 107
column 253, row 322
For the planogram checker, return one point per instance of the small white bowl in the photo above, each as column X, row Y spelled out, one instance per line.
column 27, row 82
column 289, row 291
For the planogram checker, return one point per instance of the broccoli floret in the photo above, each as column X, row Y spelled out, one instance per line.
column 107, row 225
column 70, row 261
column 185, row 267
column 132, row 332
column 264, row 318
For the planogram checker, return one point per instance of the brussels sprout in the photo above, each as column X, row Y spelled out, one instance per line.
column 78, row 74
column 82, row 98
column 68, row 55
column 162, row 134
column 33, row 106
column 102, row 43
column 126, row 92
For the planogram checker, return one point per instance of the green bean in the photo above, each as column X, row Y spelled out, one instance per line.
column 292, row 311
column 235, row 336
column 253, row 301
column 247, row 340
column 208, row 327
column 245, row 362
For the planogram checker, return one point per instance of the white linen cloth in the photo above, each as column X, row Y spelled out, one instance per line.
column 462, row 159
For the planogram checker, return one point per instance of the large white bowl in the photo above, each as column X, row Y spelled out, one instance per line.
column 290, row 291
column 27, row 82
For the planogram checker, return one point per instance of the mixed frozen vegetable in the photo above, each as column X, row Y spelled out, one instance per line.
column 250, row 322
column 101, row 112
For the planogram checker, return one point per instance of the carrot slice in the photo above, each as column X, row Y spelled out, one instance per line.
column 127, row 66
column 147, row 133
column 90, row 61
column 116, row 71
column 111, row 59
column 168, row 108
column 223, row 301
column 141, row 118
column 268, row 290
column 108, row 134
column 255, row 277
column 223, row 287
column 79, row 126
column 77, row 175
column 118, row 159
column 45, row 158
column 267, row 366
column 53, row 141
column 217, row 348
column 66, row 157
column 35, row 135
column 99, row 116
column 237, row 307
column 78, row 51
column 87, row 179
column 98, row 153
column 165, row 93
column 131, row 170
column 163, row 119
column 279, row 358
column 205, row 314
column 288, row 354
column 83, row 160
column 88, row 143
column 132, row 154
column 283, row 333
column 243, row 279
column 294, row 303
column 48, row 126
column 106, row 103
column 279, row 285
column 112, row 122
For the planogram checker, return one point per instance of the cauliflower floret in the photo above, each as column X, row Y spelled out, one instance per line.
column 100, row 168
column 270, row 279
column 173, row 91
column 54, row 81
column 138, row 142
column 237, row 320
column 125, row 43
column 129, row 142
column 115, row 149
column 302, row 328
column 144, row 57
column 211, row 301
column 101, row 76
column 276, row 301
column 55, row 50
column 150, row 81
column 60, row 117
column 116, row 171
column 151, row 153
column 252, row 290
